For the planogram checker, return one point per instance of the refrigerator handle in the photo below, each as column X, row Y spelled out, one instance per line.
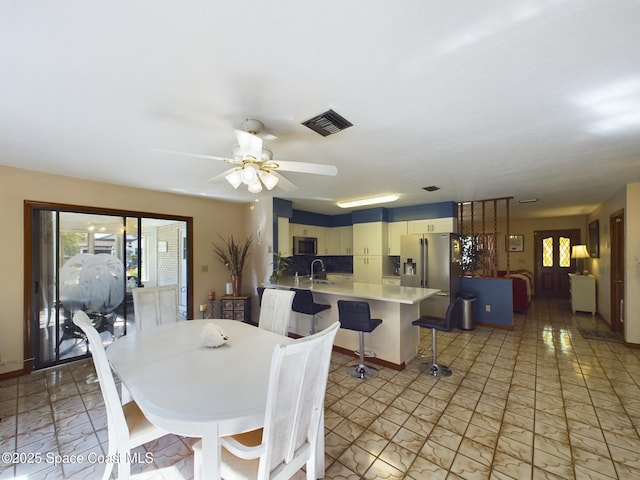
column 424, row 254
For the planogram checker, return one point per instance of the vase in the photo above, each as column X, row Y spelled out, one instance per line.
column 236, row 283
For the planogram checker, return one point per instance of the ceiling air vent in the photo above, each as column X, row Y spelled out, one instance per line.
column 431, row 188
column 327, row 123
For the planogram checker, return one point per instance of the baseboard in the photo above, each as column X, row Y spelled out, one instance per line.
column 14, row 374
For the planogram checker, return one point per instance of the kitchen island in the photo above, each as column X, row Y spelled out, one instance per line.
column 395, row 342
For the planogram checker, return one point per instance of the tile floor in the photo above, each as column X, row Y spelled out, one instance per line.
column 538, row 402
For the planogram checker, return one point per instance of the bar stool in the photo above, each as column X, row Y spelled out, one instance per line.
column 445, row 324
column 356, row 316
column 303, row 303
column 260, row 291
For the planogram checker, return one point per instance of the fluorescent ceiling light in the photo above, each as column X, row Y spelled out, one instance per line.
column 368, row 201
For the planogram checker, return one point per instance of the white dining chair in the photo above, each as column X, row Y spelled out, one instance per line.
column 127, row 427
column 155, row 305
column 295, row 402
column 275, row 310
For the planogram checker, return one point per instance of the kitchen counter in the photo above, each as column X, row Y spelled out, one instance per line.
column 367, row 291
column 395, row 341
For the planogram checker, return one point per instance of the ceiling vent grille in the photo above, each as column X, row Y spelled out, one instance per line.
column 431, row 188
column 327, row 123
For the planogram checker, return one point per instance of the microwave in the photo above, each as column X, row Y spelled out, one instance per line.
column 305, row 245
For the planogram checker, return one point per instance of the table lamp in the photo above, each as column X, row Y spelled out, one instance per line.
column 580, row 252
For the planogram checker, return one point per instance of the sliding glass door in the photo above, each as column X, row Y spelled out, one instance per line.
column 91, row 261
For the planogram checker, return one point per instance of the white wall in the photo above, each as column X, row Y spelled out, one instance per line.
column 260, row 225
column 601, row 267
column 210, row 217
column 628, row 199
column 632, row 264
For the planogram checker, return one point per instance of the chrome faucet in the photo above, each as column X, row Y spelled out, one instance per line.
column 312, row 264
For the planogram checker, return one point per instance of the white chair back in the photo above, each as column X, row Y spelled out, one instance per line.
column 295, row 403
column 155, row 305
column 127, row 426
column 275, row 310
column 115, row 416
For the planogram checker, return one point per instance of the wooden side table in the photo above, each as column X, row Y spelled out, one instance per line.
column 236, row 308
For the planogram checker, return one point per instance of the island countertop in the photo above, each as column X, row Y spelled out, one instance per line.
column 370, row 291
column 395, row 341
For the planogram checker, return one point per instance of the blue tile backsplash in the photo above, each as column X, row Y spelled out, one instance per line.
column 301, row 264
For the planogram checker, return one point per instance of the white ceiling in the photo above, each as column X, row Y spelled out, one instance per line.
column 523, row 98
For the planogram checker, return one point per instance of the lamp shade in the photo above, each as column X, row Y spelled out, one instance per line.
column 234, row 178
column 255, row 186
column 249, row 174
column 268, row 178
column 579, row 251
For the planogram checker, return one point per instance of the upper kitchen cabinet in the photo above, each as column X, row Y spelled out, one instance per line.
column 432, row 225
column 346, row 240
column 396, row 231
column 313, row 231
column 331, row 242
column 370, row 238
column 299, row 230
column 284, row 239
column 338, row 241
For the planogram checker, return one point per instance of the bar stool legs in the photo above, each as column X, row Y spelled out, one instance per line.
column 434, row 369
column 356, row 316
column 445, row 325
column 362, row 370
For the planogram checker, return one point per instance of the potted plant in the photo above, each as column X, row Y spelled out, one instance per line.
column 233, row 255
column 280, row 264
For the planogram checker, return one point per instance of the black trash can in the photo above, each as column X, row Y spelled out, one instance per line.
column 466, row 319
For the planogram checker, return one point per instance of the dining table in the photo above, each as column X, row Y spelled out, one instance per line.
column 192, row 390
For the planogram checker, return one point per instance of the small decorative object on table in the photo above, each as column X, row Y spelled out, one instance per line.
column 213, row 336
column 233, row 255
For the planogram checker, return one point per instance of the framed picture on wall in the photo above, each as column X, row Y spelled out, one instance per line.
column 514, row 243
column 594, row 239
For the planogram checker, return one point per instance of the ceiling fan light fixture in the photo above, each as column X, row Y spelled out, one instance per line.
column 368, row 201
column 249, row 174
column 255, row 187
column 268, row 178
column 234, row 178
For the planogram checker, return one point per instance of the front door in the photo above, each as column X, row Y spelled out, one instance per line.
column 553, row 261
column 617, row 271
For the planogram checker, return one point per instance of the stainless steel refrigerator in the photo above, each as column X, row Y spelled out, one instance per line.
column 432, row 260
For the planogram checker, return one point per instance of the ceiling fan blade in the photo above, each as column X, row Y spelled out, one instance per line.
column 283, row 182
column 221, row 175
column 316, row 168
column 197, row 155
column 249, row 144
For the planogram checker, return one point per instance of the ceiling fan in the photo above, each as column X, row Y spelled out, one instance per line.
column 254, row 165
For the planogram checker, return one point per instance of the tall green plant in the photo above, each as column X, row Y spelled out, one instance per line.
column 232, row 254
